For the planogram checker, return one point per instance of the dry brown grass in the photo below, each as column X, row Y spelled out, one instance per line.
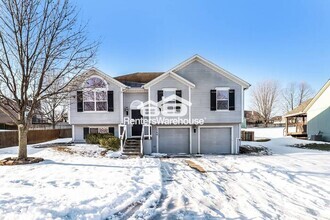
column 64, row 149
column 10, row 161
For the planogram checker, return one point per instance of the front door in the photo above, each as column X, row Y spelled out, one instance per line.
column 136, row 127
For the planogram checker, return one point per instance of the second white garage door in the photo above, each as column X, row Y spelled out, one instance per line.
column 174, row 140
column 215, row 140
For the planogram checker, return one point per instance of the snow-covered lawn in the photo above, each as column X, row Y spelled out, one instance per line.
column 69, row 186
column 267, row 132
column 248, row 187
column 291, row 184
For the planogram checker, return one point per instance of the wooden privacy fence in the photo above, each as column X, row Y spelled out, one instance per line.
column 10, row 138
column 247, row 135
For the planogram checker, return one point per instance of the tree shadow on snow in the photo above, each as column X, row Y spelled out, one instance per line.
column 94, row 165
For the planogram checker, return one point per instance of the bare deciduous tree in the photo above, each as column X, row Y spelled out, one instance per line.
column 295, row 94
column 289, row 97
column 54, row 107
column 54, row 110
column 264, row 98
column 304, row 92
column 38, row 38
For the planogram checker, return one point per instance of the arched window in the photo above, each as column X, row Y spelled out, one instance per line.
column 95, row 82
column 95, row 95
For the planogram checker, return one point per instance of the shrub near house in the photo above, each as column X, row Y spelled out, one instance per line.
column 107, row 141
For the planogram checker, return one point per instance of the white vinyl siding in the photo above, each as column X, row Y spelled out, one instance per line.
column 206, row 79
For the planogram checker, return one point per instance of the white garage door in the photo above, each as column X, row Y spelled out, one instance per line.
column 174, row 140
column 215, row 140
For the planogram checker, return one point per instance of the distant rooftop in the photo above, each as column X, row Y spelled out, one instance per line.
column 138, row 79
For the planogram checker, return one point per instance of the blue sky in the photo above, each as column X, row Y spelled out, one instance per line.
column 255, row 40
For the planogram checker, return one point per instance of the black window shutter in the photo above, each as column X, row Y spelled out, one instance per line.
column 232, row 99
column 159, row 95
column 179, row 94
column 86, row 132
column 80, row 98
column 110, row 101
column 213, row 100
column 112, row 130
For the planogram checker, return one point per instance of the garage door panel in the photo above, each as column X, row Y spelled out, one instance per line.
column 215, row 140
column 173, row 140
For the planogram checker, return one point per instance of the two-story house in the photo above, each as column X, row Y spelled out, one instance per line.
column 210, row 98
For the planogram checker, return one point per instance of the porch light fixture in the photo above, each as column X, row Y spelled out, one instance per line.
column 126, row 110
column 194, row 127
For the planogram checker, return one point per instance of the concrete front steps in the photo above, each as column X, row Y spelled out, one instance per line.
column 132, row 147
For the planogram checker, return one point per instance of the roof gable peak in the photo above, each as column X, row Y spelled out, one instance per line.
column 212, row 66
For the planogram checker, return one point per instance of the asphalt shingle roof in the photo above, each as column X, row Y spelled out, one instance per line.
column 137, row 79
column 299, row 109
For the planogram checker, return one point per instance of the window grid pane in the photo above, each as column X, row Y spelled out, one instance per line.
column 101, row 96
column 222, row 105
column 89, row 106
column 89, row 96
column 103, row 130
column 101, row 106
column 222, row 94
column 93, row 130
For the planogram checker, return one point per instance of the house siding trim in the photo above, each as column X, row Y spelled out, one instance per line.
column 121, row 105
column 317, row 96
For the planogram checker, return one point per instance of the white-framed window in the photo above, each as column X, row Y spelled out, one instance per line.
column 93, row 130
column 99, row 130
column 167, row 92
column 103, row 130
column 222, row 98
column 95, row 95
column 95, row 82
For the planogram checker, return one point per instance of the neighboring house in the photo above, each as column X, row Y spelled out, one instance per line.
column 5, row 119
column 103, row 104
column 253, row 118
column 277, row 121
column 37, row 119
column 318, row 114
column 6, row 122
column 312, row 117
column 297, row 118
